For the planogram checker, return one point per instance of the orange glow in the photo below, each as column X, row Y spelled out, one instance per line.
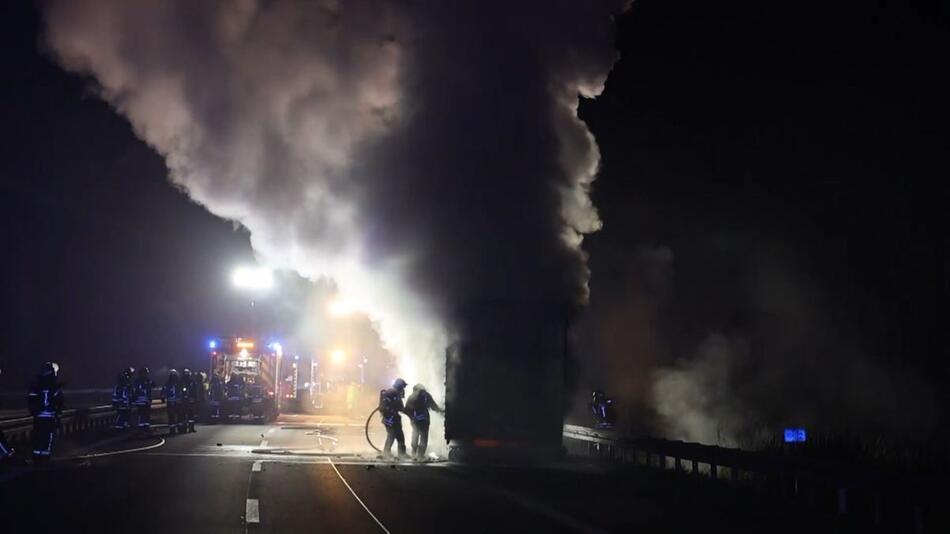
column 245, row 344
column 487, row 443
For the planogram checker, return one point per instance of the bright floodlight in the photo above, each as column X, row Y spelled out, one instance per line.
column 256, row 278
column 338, row 307
column 337, row 356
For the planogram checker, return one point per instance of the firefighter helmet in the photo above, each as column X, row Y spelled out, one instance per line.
column 49, row 369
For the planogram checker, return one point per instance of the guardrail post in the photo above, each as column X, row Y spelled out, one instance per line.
column 918, row 519
column 677, row 466
column 695, row 466
column 842, row 501
column 734, row 474
column 713, row 472
column 662, row 460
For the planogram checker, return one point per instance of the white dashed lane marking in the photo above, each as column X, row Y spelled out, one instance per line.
column 252, row 511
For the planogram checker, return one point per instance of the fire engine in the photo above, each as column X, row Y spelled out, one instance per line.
column 244, row 379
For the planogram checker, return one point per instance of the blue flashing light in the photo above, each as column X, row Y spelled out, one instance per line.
column 795, row 435
column 212, row 344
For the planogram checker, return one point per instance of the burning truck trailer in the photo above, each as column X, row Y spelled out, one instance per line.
column 505, row 391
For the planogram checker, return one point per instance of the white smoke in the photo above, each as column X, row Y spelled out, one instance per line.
column 318, row 127
column 695, row 399
column 784, row 359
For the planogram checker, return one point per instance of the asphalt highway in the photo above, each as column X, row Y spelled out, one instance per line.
column 310, row 474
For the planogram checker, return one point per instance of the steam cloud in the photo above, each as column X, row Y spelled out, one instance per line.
column 422, row 154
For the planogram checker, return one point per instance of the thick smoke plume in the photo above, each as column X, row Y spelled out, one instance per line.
column 731, row 339
column 422, row 154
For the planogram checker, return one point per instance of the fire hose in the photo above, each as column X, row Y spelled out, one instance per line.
column 368, row 440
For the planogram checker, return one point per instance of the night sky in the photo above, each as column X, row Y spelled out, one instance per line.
column 797, row 149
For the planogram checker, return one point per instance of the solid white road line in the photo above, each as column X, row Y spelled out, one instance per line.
column 126, row 451
column 252, row 511
column 263, row 444
column 256, row 468
column 357, row 497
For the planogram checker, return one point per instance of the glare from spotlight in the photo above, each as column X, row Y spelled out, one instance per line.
column 338, row 356
column 253, row 278
column 339, row 307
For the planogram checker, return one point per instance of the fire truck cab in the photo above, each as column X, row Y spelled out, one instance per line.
column 248, row 375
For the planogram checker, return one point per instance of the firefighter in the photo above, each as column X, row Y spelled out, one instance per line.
column 200, row 395
column 236, row 394
column 122, row 398
column 188, row 401
column 602, row 407
column 216, row 396
column 6, row 451
column 417, row 407
column 390, row 407
column 142, row 398
column 46, row 404
column 172, row 395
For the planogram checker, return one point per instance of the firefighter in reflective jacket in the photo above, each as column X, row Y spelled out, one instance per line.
column 172, row 395
column 122, row 398
column 216, row 395
column 199, row 391
column 188, row 401
column 142, row 398
column 602, row 407
column 6, row 451
column 390, row 407
column 46, row 403
column 417, row 407
column 237, row 395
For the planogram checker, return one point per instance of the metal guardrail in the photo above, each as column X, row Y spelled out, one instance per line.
column 18, row 430
column 848, row 488
column 16, row 400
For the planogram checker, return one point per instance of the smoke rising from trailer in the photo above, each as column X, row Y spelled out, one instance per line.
column 420, row 154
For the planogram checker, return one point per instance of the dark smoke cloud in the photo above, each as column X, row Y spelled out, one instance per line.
column 737, row 339
column 422, row 154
